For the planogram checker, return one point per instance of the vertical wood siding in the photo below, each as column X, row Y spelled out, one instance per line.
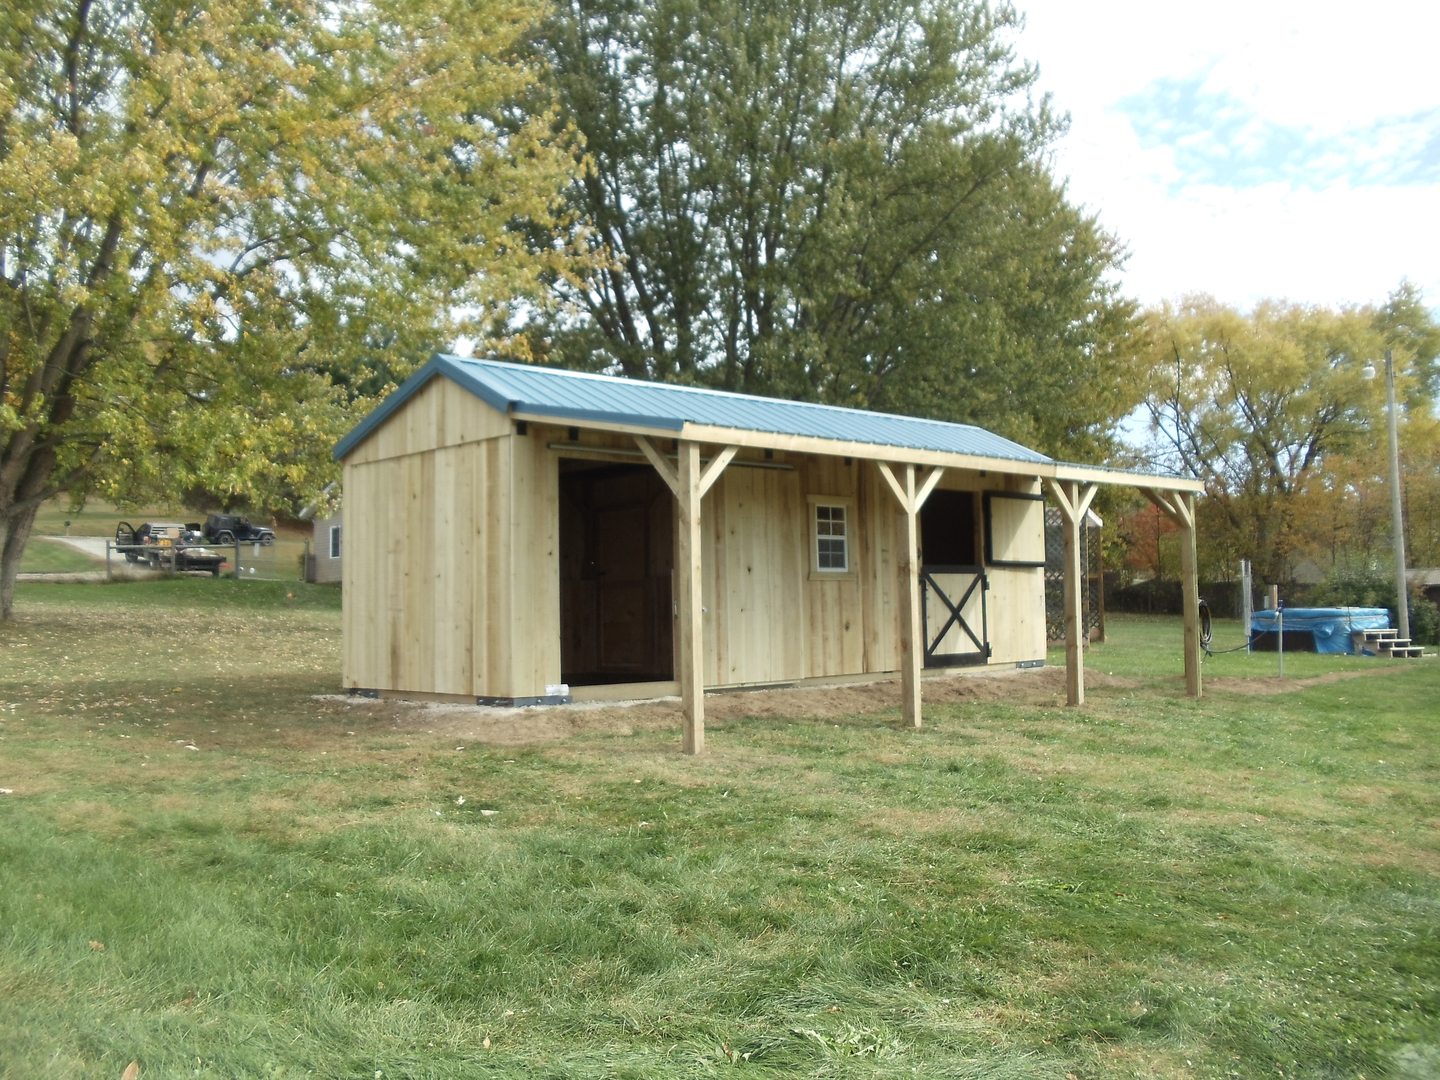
column 452, row 574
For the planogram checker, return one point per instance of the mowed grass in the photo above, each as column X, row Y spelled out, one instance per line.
column 97, row 518
column 1150, row 646
column 52, row 557
column 1149, row 886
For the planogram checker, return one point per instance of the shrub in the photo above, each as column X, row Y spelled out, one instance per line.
column 1370, row 586
column 1424, row 618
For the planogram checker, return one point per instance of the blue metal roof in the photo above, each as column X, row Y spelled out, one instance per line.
column 578, row 397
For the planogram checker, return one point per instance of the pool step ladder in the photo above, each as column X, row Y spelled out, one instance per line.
column 1385, row 643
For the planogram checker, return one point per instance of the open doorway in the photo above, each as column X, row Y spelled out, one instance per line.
column 616, row 556
column 948, row 529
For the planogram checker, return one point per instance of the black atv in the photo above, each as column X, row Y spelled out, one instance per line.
column 228, row 528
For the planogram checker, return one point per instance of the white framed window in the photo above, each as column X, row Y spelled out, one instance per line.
column 334, row 541
column 832, row 537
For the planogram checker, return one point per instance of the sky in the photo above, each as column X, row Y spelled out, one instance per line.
column 1255, row 149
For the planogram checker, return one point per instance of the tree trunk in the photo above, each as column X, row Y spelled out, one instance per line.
column 16, row 537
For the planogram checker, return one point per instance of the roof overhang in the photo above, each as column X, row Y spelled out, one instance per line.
column 806, row 444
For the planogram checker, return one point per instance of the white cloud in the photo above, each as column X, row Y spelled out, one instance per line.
column 1250, row 150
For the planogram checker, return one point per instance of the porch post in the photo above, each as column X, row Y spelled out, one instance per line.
column 1074, row 504
column 1179, row 507
column 692, row 640
column 1190, row 591
column 1074, row 647
column 689, row 484
column 912, row 642
column 907, row 565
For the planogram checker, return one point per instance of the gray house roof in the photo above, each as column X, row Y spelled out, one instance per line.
column 577, row 397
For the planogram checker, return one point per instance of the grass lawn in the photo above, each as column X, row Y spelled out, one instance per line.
column 280, row 561
column 208, row 870
column 97, row 518
column 52, row 557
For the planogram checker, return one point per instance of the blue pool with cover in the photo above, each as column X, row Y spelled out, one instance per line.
column 1322, row 630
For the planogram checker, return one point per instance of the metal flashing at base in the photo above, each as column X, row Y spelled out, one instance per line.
column 463, row 699
column 524, row 702
column 745, row 688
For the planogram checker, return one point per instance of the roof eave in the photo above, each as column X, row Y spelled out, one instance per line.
column 1100, row 474
column 812, row 444
column 439, row 364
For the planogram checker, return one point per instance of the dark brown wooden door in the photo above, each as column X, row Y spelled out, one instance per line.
column 621, row 584
column 616, row 554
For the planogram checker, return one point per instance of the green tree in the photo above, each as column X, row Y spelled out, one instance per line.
column 219, row 218
column 1408, row 325
column 836, row 200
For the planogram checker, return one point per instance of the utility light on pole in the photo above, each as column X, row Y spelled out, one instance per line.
column 1402, row 599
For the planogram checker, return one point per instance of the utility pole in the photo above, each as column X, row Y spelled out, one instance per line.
column 1402, row 598
column 1247, row 600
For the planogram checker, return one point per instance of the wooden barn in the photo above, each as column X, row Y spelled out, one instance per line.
column 521, row 535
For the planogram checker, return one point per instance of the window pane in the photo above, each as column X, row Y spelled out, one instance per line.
column 830, row 545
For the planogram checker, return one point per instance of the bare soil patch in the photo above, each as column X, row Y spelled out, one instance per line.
column 1273, row 684
column 515, row 727
column 538, row 724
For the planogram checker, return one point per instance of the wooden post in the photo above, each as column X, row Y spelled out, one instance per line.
column 1074, row 504
column 1179, row 507
column 689, row 485
column 691, row 633
column 1074, row 647
column 912, row 640
column 1189, row 591
column 907, row 562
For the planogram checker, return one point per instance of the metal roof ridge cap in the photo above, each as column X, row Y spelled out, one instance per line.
column 732, row 394
column 476, row 385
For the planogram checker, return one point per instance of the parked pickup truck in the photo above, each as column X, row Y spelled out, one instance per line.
column 167, row 546
column 228, row 528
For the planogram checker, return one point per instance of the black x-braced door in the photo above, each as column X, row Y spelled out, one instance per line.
column 952, row 612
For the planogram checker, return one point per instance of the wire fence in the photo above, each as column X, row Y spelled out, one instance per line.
column 259, row 562
column 241, row 561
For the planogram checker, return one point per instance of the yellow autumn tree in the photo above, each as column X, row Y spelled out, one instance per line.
column 224, row 223
column 1271, row 408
